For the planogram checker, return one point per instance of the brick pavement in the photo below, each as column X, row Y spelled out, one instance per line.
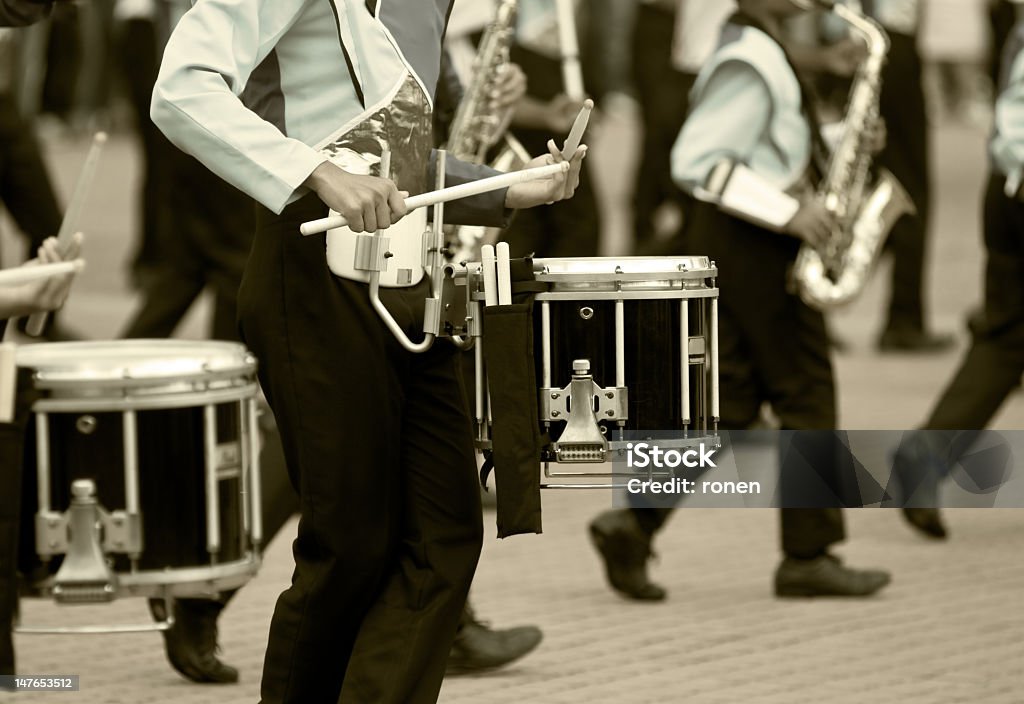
column 948, row 630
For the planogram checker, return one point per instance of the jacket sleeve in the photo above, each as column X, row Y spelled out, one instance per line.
column 487, row 209
column 208, row 60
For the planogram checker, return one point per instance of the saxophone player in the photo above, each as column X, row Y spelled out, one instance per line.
column 750, row 109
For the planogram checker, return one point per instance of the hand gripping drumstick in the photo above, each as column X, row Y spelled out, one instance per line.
column 463, row 190
column 69, row 225
column 26, row 274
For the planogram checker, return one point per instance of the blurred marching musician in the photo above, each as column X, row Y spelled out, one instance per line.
column 671, row 41
column 568, row 228
column 46, row 294
column 752, row 115
column 993, row 365
column 377, row 439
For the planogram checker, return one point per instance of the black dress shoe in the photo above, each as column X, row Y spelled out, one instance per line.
column 625, row 549
column 826, row 576
column 913, row 340
column 928, row 521
column 191, row 642
column 478, row 648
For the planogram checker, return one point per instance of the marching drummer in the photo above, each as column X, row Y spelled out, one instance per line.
column 377, row 439
column 750, row 107
column 47, row 294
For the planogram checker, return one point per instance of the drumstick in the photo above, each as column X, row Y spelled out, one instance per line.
column 27, row 274
column 463, row 190
column 8, row 382
column 487, row 270
column 69, row 225
column 572, row 142
column 504, row 275
column 572, row 74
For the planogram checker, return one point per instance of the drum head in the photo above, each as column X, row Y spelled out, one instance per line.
column 624, row 272
column 128, row 363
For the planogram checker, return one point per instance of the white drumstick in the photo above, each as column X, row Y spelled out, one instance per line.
column 572, row 74
column 8, row 382
column 504, row 275
column 487, row 263
column 27, row 274
column 463, row 190
column 69, row 225
column 579, row 126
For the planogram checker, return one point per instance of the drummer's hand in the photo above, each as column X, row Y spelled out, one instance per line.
column 367, row 203
column 46, row 294
column 551, row 189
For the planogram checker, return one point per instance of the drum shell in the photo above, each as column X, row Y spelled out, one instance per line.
column 171, row 476
column 582, row 329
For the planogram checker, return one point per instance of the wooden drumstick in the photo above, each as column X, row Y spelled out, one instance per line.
column 8, row 381
column 27, row 274
column 463, row 190
column 579, row 126
column 69, row 225
column 504, row 269
column 487, row 270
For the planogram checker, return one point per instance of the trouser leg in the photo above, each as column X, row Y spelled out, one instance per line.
column 398, row 656
column 902, row 105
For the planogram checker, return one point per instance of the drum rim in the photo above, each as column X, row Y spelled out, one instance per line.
column 58, row 369
column 703, row 268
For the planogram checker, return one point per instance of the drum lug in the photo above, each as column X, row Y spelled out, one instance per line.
column 51, row 534
column 84, row 576
column 122, row 532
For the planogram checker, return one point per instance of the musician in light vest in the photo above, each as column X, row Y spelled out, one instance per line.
column 293, row 103
column 993, row 365
column 753, row 133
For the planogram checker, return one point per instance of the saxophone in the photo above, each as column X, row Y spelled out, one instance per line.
column 865, row 212
column 475, row 130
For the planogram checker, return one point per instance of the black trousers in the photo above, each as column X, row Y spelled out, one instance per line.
column 379, row 446
column 664, row 96
column 25, row 186
column 12, row 436
column 993, row 365
column 207, row 234
column 139, row 54
column 906, row 155
column 772, row 348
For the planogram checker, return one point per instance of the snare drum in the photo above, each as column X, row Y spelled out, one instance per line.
column 141, row 473
column 625, row 348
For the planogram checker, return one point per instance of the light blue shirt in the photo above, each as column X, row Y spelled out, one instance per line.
column 746, row 107
column 1007, row 145
column 253, row 88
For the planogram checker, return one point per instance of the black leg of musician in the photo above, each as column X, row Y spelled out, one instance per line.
column 377, row 439
column 663, row 93
column 906, row 155
column 751, row 107
column 993, row 365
